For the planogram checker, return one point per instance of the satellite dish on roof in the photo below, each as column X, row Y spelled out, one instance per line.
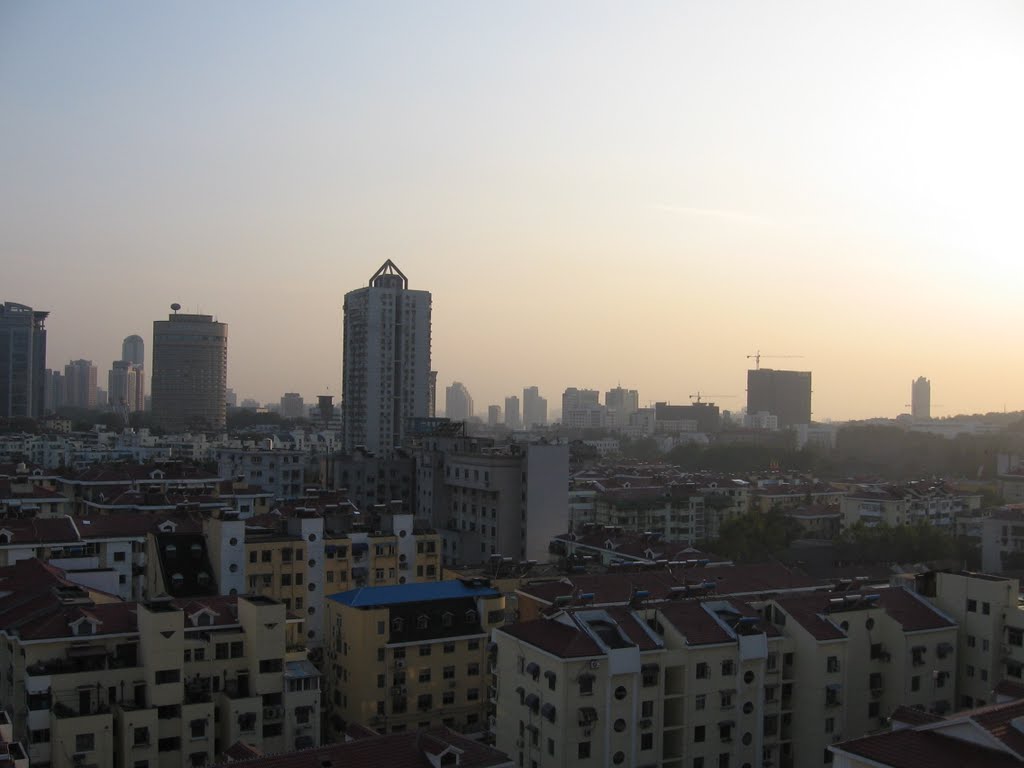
column 175, row 307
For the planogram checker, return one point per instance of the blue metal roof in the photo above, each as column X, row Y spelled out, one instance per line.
column 367, row 597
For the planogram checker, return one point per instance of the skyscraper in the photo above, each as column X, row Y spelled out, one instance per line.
column 921, row 399
column 785, row 394
column 386, row 376
column 123, row 386
column 190, row 372
column 512, row 412
column 493, row 415
column 458, row 403
column 535, row 408
column 22, row 361
column 80, row 384
column 133, row 349
column 621, row 404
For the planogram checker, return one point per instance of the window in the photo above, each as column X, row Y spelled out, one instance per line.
column 473, row 694
column 424, row 650
column 171, row 744
column 85, row 742
column 1015, row 636
column 702, row 672
column 728, row 668
column 220, row 651
column 986, row 608
column 726, row 699
column 197, row 728
column 286, row 579
column 474, row 669
column 449, row 648
column 970, row 671
column 237, row 649
column 972, row 606
column 647, row 709
column 165, row 676
column 915, row 683
column 448, row 673
column 701, row 701
column 830, row 725
column 266, row 555
column 725, row 732
column 583, row 750
column 425, row 675
column 873, row 709
column 646, row 741
column 586, row 685
column 270, row 665
column 832, row 665
column 971, row 641
column 141, row 737
column 448, row 698
column 698, row 733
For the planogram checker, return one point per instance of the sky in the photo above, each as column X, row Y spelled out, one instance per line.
column 595, row 193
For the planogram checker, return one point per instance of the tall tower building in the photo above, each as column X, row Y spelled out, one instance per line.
column 133, row 349
column 621, row 404
column 512, row 420
column 493, row 415
column 386, row 377
column 190, row 372
column 458, row 403
column 80, row 384
column 22, row 361
column 535, row 408
column 785, row 394
column 921, row 399
column 123, row 386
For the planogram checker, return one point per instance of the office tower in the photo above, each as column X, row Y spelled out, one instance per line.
column 458, row 403
column 190, row 372
column 535, row 408
column 574, row 398
column 493, row 415
column 621, row 404
column 80, row 384
column 785, row 394
column 133, row 349
column 512, row 412
column 122, row 383
column 292, row 406
column 921, row 399
column 22, row 361
column 386, row 377
column 231, row 398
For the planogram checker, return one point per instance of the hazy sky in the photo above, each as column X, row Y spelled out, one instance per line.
column 595, row 193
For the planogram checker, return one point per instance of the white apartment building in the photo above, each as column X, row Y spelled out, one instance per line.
column 386, row 360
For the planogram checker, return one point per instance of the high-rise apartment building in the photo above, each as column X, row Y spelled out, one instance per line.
column 621, row 404
column 458, row 403
column 493, row 415
column 123, row 386
column 190, row 372
column 921, row 399
column 133, row 350
column 785, row 394
column 80, row 384
column 535, row 408
column 22, row 361
column 512, row 420
column 386, row 376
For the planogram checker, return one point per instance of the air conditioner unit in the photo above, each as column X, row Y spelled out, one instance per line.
column 404, row 690
column 645, row 723
column 587, row 731
column 595, row 664
column 399, row 663
column 78, row 758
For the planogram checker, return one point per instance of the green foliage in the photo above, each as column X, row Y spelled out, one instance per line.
column 902, row 544
column 754, row 537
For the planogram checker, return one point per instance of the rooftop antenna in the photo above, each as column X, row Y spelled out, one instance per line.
column 175, row 307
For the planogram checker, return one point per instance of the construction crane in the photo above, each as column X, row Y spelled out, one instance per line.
column 757, row 358
column 696, row 398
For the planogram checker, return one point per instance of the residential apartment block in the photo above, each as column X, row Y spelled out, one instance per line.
column 99, row 682
column 920, row 502
column 412, row 656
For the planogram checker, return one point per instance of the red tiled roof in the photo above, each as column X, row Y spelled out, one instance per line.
column 914, row 716
column 38, row 530
column 396, row 750
column 554, row 637
column 618, row 587
column 812, row 612
column 909, row 748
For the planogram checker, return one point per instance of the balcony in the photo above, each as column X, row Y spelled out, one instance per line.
column 64, row 712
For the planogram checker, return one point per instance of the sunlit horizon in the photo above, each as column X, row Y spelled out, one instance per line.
column 594, row 194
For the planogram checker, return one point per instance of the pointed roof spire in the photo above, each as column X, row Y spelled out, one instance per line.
column 388, row 268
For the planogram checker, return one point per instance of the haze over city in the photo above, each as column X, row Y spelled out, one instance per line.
column 594, row 195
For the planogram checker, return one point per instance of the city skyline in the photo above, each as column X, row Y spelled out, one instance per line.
column 663, row 190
